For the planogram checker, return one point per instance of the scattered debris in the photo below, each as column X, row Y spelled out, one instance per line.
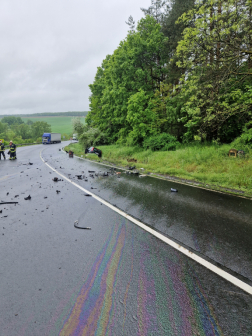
column 79, row 177
column 57, row 191
column 131, row 160
column 9, row 203
column 79, row 227
column 117, row 173
column 93, row 188
column 88, row 195
column 174, row 190
column 91, row 171
column 142, row 175
column 132, row 167
column 16, row 196
column 30, row 163
column 27, row 198
column 56, row 179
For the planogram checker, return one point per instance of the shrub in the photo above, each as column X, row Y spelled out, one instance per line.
column 92, row 137
column 163, row 141
column 245, row 140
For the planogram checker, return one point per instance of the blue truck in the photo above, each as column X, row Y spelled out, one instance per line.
column 51, row 138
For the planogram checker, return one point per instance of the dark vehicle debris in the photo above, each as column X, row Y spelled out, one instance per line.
column 8, row 203
column 56, row 179
column 27, row 198
column 93, row 150
column 81, row 227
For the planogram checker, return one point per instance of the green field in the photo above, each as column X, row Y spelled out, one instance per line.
column 59, row 124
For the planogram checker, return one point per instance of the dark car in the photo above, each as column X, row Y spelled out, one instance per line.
column 94, row 151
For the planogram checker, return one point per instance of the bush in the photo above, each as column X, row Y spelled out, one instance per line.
column 243, row 141
column 92, row 137
column 163, row 141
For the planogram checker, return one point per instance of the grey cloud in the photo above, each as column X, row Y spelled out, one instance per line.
column 50, row 50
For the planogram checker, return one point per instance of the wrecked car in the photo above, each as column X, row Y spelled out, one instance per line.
column 93, row 150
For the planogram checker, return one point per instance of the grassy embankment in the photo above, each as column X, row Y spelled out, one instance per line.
column 208, row 165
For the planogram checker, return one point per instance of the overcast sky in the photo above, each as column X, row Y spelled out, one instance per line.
column 50, row 50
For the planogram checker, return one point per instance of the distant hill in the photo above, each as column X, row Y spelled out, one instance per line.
column 49, row 114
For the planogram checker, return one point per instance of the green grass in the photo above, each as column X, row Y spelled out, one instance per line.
column 208, row 165
column 59, row 124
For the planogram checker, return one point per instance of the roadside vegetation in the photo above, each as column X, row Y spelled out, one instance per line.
column 185, row 69
column 30, row 129
column 207, row 164
column 176, row 95
column 15, row 129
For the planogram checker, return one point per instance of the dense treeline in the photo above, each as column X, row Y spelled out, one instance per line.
column 184, row 71
column 14, row 128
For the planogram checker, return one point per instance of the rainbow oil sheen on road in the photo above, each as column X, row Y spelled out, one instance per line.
column 138, row 289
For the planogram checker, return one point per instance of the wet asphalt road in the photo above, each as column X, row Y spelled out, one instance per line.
column 117, row 279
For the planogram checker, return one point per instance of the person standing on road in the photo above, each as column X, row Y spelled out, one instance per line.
column 2, row 150
column 12, row 151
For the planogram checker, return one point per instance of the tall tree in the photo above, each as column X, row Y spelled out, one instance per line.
column 174, row 30
column 219, row 86
column 158, row 10
column 137, row 64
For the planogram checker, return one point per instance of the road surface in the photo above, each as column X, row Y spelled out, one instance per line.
column 117, row 278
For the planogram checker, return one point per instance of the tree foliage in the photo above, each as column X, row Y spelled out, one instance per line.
column 184, row 70
column 127, row 78
column 15, row 129
column 216, row 53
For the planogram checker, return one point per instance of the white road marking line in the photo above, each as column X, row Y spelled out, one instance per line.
column 242, row 285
